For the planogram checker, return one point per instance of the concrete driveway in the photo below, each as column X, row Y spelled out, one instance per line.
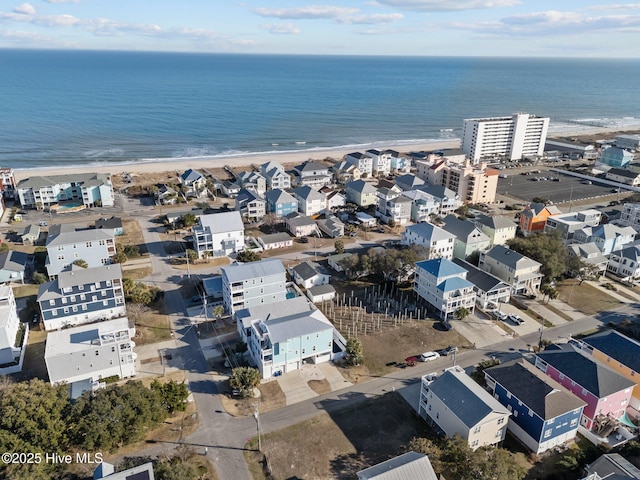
column 295, row 387
column 530, row 325
column 479, row 331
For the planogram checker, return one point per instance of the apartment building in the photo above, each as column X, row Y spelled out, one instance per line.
column 511, row 137
column 66, row 244
column 88, row 189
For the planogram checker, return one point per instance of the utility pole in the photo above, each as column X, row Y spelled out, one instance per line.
column 256, row 415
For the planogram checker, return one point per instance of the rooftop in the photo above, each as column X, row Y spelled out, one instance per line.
column 408, row 466
column 222, row 222
column 85, row 179
column 441, row 267
column 481, row 279
column 617, row 346
column 242, row 272
column 430, row 232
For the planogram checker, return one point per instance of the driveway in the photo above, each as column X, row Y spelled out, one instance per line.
column 530, row 325
column 479, row 331
column 295, row 387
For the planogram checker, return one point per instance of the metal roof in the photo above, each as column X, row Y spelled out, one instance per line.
column 264, row 268
column 222, row 222
column 441, row 267
column 408, row 466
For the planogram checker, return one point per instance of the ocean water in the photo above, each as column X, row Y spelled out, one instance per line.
column 86, row 107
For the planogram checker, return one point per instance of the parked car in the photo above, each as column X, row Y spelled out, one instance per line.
column 304, row 240
column 428, row 356
column 43, row 224
column 516, row 319
column 501, row 315
column 450, row 350
column 446, row 325
column 586, row 182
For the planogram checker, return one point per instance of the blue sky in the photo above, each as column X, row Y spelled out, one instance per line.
column 540, row 28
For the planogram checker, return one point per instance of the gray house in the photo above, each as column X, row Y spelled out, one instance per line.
column 256, row 283
column 13, row 266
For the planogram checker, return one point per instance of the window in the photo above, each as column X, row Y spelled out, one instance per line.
column 561, row 376
column 52, row 302
column 54, row 312
column 500, row 421
column 88, row 244
column 66, row 309
column 584, row 391
column 574, row 422
column 547, row 433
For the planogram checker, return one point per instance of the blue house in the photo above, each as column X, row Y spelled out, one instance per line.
column 280, row 202
column 615, row 157
column 543, row 413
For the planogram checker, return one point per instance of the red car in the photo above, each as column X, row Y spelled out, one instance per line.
column 411, row 361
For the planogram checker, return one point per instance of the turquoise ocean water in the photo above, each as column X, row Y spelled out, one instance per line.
column 84, row 107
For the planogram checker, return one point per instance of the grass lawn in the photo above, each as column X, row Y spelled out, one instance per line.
column 339, row 445
column 137, row 273
column 271, row 398
column 26, row 290
column 586, row 298
column 132, row 235
column 155, row 328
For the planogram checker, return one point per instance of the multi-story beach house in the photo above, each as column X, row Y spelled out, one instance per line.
column 489, row 289
column 252, row 181
column 361, row 193
column 256, row 283
column 624, row 264
column 627, row 142
column 275, row 176
column 65, row 245
column 498, row 228
column 534, row 217
column 13, row 334
column 606, row 392
column 14, row 266
column 630, row 216
column 608, row 237
column 362, row 161
column 335, row 199
column 331, row 226
column 310, row 201
column 194, row 184
column 566, row 224
column 251, row 204
column 448, row 201
column 7, row 183
column 381, row 161
column 511, row 138
column 219, row 234
column 438, row 241
column 544, row 414
column 614, row 157
column 282, row 340
column 81, row 189
column 82, row 356
column 408, row 181
column 280, row 203
column 444, row 285
column 423, row 205
column 454, row 404
column 300, row 225
column 393, row 206
column 312, row 174
column 82, row 295
column 522, row 273
column 622, row 355
column 468, row 237
column 345, row 172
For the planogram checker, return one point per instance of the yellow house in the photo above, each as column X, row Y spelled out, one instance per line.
column 621, row 354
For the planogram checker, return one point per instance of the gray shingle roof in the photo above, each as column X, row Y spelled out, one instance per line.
column 481, row 279
column 462, row 229
column 76, row 275
column 321, row 289
column 279, row 196
column 275, row 238
column 409, row 466
column 87, row 179
column 13, row 261
column 546, row 397
column 307, row 270
column 59, row 235
column 586, row 372
column 430, row 232
column 617, row 346
column 510, row 257
column 361, row 186
column 246, row 271
column 497, row 222
column 465, row 398
column 308, row 194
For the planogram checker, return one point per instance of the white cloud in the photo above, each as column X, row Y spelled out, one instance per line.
column 62, row 1
column 306, row 13
column 374, row 19
column 615, row 6
column 282, row 28
column 447, row 5
column 24, row 9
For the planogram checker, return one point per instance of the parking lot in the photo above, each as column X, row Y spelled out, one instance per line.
column 568, row 188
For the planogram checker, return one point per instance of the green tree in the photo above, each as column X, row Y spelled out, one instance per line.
column 546, row 249
column 350, row 265
column 428, row 448
column 548, row 291
column 245, row 379
column 188, row 220
column 132, row 251
column 173, row 395
column 478, row 373
column 355, row 352
column 39, row 278
column 391, row 223
column 218, row 311
column 462, row 313
column 247, row 256
column 191, row 255
column 339, row 246
column 81, row 263
column 120, row 257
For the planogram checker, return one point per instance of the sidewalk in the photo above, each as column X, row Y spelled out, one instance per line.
column 616, row 295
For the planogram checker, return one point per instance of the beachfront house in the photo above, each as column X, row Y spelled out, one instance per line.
column 345, row 172
column 280, row 203
column 454, row 404
column 82, row 295
column 256, row 283
column 522, row 273
column 230, row 189
column 275, row 176
column 219, row 234
column 312, row 174
column 310, row 201
column 361, row 193
column 7, row 183
column 606, row 392
column 362, row 161
column 444, row 286
column 193, row 183
column 381, row 161
column 66, row 244
column 77, row 190
column 251, row 205
column 335, row 199
column 13, row 334
column 252, row 181
column 166, row 195
column 439, row 242
column 83, row 356
column 544, row 414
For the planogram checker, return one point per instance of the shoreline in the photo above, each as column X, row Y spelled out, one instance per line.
column 246, row 159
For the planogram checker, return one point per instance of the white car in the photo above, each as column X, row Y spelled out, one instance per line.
column 516, row 319
column 428, row 356
column 501, row 315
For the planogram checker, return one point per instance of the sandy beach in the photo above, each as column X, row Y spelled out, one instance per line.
column 286, row 158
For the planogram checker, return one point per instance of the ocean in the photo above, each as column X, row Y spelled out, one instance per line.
column 90, row 107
